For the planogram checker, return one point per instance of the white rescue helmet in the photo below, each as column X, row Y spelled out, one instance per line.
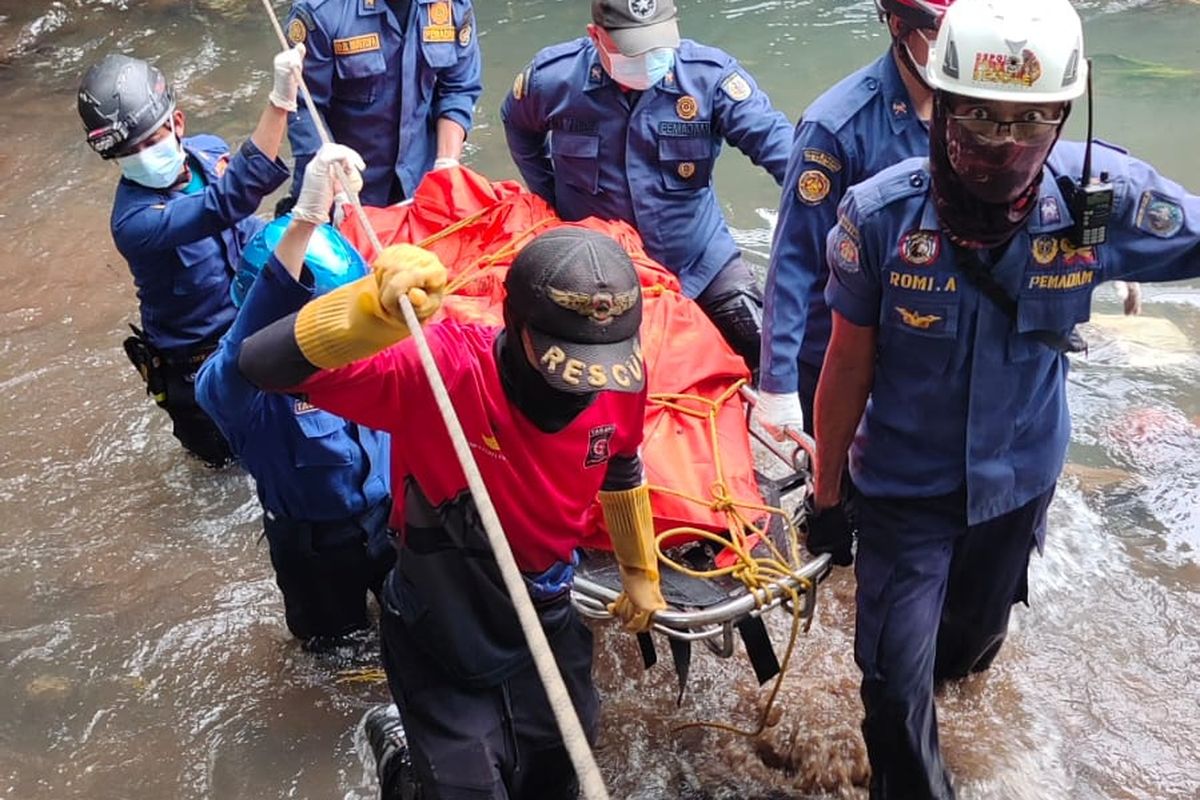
column 1023, row 51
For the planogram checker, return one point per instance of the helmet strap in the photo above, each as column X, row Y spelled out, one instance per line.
column 900, row 46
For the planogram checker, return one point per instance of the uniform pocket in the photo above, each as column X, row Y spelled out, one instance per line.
column 685, row 163
column 574, row 156
column 919, row 332
column 1056, row 315
column 319, row 444
column 203, row 266
column 359, row 76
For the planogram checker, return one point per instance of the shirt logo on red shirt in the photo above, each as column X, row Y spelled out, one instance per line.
column 599, row 443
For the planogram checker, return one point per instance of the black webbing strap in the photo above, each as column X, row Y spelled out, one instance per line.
column 758, row 648
column 982, row 279
column 681, row 654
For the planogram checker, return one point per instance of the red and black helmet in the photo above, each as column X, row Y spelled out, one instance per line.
column 914, row 13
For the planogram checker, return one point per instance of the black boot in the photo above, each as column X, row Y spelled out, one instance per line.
column 393, row 763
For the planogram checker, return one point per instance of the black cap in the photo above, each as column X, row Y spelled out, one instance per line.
column 637, row 26
column 577, row 294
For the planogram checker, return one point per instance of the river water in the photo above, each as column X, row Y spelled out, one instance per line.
column 142, row 646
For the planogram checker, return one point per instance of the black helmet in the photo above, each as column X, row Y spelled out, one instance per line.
column 122, row 101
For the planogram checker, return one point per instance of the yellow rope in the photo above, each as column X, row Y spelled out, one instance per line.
column 757, row 574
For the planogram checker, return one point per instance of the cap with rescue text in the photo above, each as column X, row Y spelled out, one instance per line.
column 638, row 25
column 577, row 294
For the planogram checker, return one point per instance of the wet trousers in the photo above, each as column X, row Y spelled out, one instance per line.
column 491, row 743
column 933, row 600
column 325, row 569
column 734, row 303
column 190, row 425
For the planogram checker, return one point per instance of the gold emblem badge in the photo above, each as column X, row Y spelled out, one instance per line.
column 492, row 442
column 686, row 107
column 519, row 86
column 737, row 87
column 686, row 170
column 464, row 36
column 439, row 13
column 221, row 165
column 920, row 247
column 297, row 32
column 917, row 320
column 602, row 307
column 813, row 186
column 356, row 44
column 1044, row 249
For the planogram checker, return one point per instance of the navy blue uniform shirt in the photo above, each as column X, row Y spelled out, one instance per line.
column 381, row 83
column 961, row 394
column 591, row 149
column 183, row 248
column 309, row 465
column 858, row 127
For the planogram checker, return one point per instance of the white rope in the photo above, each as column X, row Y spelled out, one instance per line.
column 574, row 739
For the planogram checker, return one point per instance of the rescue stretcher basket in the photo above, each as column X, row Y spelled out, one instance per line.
column 710, row 610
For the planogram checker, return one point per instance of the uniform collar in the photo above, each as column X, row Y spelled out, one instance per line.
column 368, row 7
column 897, row 104
column 595, row 77
column 1051, row 214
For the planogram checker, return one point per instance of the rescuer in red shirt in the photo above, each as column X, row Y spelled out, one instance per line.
column 552, row 406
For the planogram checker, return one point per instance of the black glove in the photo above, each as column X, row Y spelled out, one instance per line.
column 830, row 531
column 284, row 205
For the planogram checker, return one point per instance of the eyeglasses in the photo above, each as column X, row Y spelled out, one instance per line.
column 1021, row 130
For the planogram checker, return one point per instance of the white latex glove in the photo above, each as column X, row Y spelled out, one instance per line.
column 288, row 66
column 778, row 413
column 333, row 167
column 1130, row 294
column 445, row 161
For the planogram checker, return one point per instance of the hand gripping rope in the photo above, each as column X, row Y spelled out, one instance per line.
column 590, row 781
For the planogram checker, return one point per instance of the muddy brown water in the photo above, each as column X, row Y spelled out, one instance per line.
column 142, row 646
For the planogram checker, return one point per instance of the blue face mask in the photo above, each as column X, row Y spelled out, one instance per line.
column 640, row 72
column 157, row 166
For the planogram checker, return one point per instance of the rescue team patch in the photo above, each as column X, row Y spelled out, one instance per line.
column 846, row 252
column 356, row 44
column 1049, row 211
column 822, row 158
column 1060, row 282
column 813, row 186
column 1007, row 69
column 1044, row 249
column 1158, row 216
column 692, row 130
column 296, row 32
column 915, row 319
column 737, row 87
column 599, row 445
column 439, row 13
column 686, row 170
column 685, row 107
column 920, row 247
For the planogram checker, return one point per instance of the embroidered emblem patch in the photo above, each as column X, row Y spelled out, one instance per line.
column 303, row 407
column 356, row 44
column 296, row 32
column 1044, row 249
column 686, row 170
column 642, row 9
column 464, row 36
column 685, row 107
column 1049, row 211
column 899, row 108
column 599, row 445
column 439, row 13
column 1158, row 216
column 518, row 90
column 847, row 253
column 920, row 247
column 737, row 87
column 437, row 33
column 822, row 158
column 813, row 186
column 1073, row 256
column 915, row 319
column 602, row 307
column 221, row 165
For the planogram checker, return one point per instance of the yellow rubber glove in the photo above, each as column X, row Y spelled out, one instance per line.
column 631, row 528
column 360, row 319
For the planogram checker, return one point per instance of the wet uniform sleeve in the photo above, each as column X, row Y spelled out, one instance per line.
column 302, row 26
column 625, row 466
column 808, row 205
column 526, row 130
column 747, row 120
column 228, row 200
column 1155, row 234
column 854, row 289
column 221, row 389
column 459, row 86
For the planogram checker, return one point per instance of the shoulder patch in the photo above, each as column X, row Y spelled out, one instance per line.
column 812, row 187
column 466, row 30
column 296, row 32
column 821, row 158
column 521, row 82
column 1159, row 215
column 845, row 249
column 737, row 87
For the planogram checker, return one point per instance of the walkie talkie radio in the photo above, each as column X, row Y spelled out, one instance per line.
column 1090, row 200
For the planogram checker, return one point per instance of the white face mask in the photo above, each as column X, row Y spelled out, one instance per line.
column 639, row 72
column 157, row 166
